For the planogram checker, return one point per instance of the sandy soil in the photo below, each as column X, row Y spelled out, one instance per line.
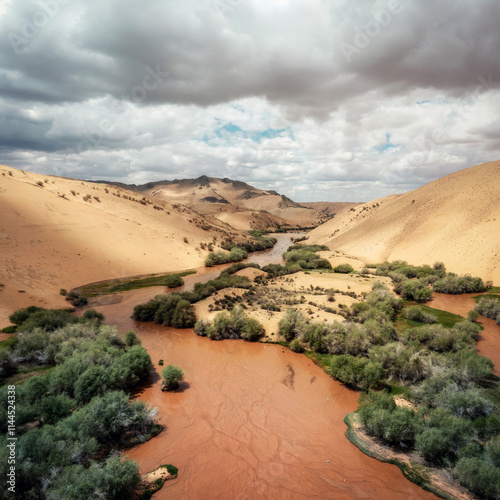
column 331, row 208
column 294, row 287
column 455, row 219
column 51, row 239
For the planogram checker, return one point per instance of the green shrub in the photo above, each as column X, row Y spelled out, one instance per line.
column 292, row 325
column 170, row 310
column 296, row 346
column 306, row 258
column 487, row 307
column 473, row 315
column 459, row 284
column 174, row 281
column 416, row 313
column 114, row 480
column 356, row 372
column 415, row 290
column 7, row 365
column 172, row 376
column 131, row 339
column 234, row 325
column 236, row 254
column 343, row 268
column 76, row 298
column 91, row 314
column 479, row 476
column 434, row 445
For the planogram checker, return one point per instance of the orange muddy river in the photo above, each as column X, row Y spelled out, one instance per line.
column 251, row 421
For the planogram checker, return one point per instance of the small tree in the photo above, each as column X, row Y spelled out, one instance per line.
column 131, row 339
column 172, row 376
column 174, row 281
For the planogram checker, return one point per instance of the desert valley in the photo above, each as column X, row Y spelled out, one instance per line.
column 316, row 341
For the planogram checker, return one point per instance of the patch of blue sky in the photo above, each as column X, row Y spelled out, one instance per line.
column 437, row 100
column 387, row 145
column 230, row 129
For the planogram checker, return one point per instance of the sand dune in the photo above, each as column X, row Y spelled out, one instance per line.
column 331, row 208
column 237, row 203
column 52, row 239
column 455, row 219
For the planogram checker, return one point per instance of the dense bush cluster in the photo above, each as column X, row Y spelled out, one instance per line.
column 259, row 243
column 70, row 418
column 401, row 268
column 459, row 284
column 489, row 307
column 236, row 254
column 275, row 270
column 176, row 309
column 411, row 281
column 234, row 325
column 415, row 313
column 414, row 290
column 305, row 256
column 169, row 310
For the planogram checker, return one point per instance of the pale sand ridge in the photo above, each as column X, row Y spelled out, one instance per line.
column 455, row 219
column 49, row 242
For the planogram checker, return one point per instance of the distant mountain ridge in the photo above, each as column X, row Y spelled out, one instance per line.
column 235, row 202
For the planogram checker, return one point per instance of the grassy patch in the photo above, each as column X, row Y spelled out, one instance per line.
column 122, row 285
column 447, row 319
column 486, row 295
column 398, row 390
column 322, row 360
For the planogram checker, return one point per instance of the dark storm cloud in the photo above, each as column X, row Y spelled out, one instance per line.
column 136, row 91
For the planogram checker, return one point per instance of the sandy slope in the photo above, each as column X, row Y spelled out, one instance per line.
column 52, row 239
column 455, row 219
column 331, row 207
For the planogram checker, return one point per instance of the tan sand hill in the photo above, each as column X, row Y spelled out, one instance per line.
column 331, row 208
column 52, row 239
column 237, row 203
column 455, row 219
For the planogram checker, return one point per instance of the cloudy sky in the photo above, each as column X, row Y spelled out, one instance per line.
column 341, row 100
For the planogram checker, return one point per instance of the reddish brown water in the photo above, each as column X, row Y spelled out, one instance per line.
column 252, row 421
column 489, row 341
